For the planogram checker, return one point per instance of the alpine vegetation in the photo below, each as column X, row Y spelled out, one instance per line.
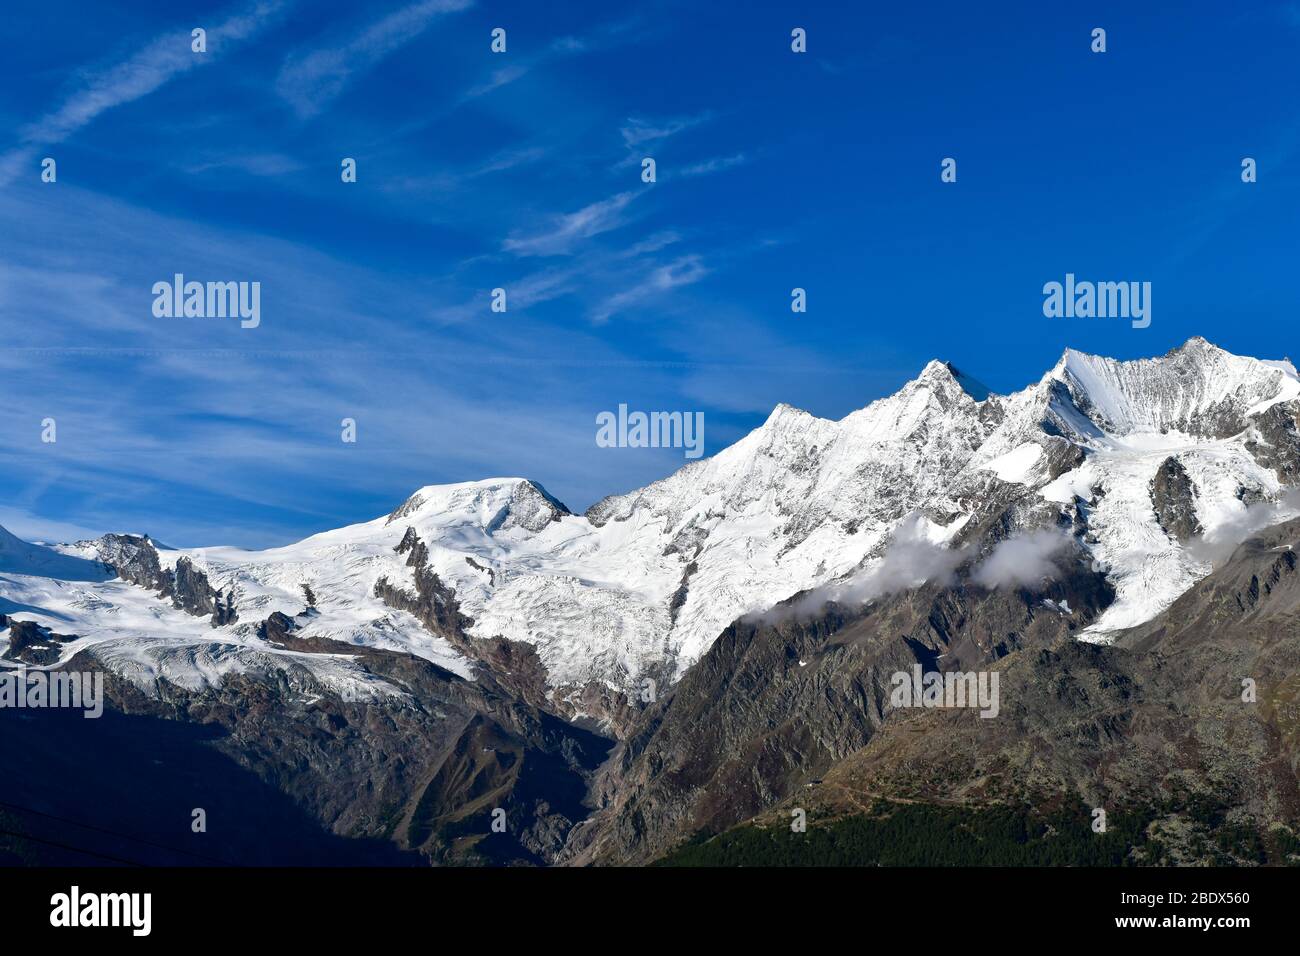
column 208, row 300
column 943, row 508
column 1101, row 300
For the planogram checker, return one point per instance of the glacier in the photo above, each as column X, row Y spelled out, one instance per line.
column 642, row 583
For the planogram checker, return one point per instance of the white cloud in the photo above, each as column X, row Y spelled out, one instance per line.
column 567, row 230
column 1022, row 561
column 717, row 164
column 504, row 76
column 911, row 560
column 255, row 164
column 1216, row 545
column 311, row 80
column 654, row 243
column 146, row 71
column 639, row 131
column 686, row 270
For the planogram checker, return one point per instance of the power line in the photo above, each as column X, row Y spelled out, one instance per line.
column 74, row 849
column 123, row 836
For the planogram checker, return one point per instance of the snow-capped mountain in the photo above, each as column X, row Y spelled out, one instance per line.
column 1150, row 462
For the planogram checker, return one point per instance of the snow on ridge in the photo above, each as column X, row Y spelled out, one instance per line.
column 1153, row 394
column 1016, row 465
column 644, row 582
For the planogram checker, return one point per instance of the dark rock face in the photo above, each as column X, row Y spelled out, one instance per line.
column 1275, row 442
column 1061, row 456
column 514, row 666
column 32, row 643
column 1174, row 498
column 135, row 559
column 140, row 774
column 1193, row 713
column 678, row 599
column 433, row 603
column 224, row 613
column 531, row 507
column 277, row 629
column 190, row 590
column 425, row 770
column 491, row 574
column 775, row 703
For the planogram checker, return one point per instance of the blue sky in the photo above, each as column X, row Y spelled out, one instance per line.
column 522, row 170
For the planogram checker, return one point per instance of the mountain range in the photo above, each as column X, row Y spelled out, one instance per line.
column 694, row 654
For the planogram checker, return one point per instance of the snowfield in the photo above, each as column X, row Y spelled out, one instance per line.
column 644, row 582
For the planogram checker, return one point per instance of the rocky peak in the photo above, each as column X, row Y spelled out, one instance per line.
column 1196, row 388
column 496, row 504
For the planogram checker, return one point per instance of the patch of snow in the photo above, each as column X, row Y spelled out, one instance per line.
column 1016, row 464
column 799, row 503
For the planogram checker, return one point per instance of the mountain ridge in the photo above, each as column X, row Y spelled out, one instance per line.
column 637, row 588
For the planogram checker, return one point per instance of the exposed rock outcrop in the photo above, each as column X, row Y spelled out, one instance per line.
column 1190, row 718
column 777, row 702
column 1174, row 498
column 134, row 558
column 513, row 665
column 32, row 643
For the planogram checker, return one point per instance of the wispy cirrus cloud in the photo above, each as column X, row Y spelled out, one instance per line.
column 683, row 271
column 255, row 164
column 565, row 46
column 165, row 57
column 654, row 243
column 531, row 290
column 638, row 130
column 603, row 37
column 715, row 165
column 310, row 81
column 340, row 328
column 450, row 179
column 567, row 230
